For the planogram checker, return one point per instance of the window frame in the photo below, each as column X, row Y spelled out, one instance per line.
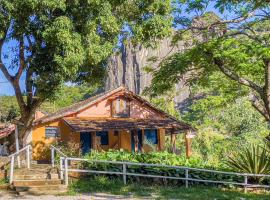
column 116, row 107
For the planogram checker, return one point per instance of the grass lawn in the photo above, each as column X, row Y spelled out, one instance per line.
column 104, row 185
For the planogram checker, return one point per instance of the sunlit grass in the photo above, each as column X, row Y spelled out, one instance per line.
column 116, row 187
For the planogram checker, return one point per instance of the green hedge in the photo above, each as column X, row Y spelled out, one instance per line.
column 157, row 158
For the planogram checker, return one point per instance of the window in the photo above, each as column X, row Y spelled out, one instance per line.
column 104, row 139
column 151, row 135
column 120, row 108
column 51, row 132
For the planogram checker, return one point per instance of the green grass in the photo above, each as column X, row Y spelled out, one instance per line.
column 105, row 185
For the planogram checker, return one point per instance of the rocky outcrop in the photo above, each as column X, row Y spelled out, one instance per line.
column 127, row 67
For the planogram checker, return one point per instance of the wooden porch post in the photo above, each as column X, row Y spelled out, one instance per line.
column 173, row 141
column 94, row 140
column 188, row 137
column 136, row 140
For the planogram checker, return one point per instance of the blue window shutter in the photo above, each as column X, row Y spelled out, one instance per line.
column 151, row 135
column 104, row 137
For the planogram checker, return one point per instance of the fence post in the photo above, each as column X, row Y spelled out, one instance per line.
column 52, row 156
column 124, row 173
column 66, row 171
column 28, row 156
column 186, row 178
column 246, row 182
column 11, row 170
column 61, row 168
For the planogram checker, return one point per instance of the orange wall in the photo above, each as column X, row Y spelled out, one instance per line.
column 41, row 144
column 137, row 110
column 100, row 109
column 103, row 109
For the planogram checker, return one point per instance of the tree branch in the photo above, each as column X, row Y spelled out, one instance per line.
column 259, row 107
column 3, row 68
column 22, row 60
column 232, row 75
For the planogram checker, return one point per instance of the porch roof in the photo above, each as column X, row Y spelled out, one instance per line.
column 99, row 124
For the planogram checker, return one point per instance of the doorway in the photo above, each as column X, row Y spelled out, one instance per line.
column 136, row 134
column 86, row 142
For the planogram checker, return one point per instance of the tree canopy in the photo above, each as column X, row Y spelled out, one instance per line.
column 231, row 54
column 60, row 41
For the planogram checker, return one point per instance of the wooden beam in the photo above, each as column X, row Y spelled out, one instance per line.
column 173, row 141
column 94, row 141
column 136, row 140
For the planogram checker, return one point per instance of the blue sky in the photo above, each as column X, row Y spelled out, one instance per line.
column 5, row 86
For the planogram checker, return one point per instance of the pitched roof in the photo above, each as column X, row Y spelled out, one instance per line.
column 74, row 108
column 99, row 124
column 77, row 107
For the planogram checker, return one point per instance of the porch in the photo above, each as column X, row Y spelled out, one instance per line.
column 136, row 135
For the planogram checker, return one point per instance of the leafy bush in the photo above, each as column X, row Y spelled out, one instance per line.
column 154, row 158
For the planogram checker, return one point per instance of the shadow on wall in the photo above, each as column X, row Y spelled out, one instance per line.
column 41, row 149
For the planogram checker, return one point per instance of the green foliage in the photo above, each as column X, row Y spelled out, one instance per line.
column 163, row 158
column 167, row 104
column 251, row 159
column 70, row 41
column 227, row 117
column 8, row 109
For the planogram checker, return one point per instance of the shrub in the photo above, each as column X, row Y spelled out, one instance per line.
column 253, row 159
column 153, row 158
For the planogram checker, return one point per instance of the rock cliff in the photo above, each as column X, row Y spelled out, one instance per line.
column 127, row 67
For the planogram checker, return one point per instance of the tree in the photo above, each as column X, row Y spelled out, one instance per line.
column 238, row 49
column 59, row 41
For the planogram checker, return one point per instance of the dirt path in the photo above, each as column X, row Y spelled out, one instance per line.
column 94, row 196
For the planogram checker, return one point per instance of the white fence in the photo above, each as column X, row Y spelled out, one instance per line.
column 27, row 150
column 65, row 169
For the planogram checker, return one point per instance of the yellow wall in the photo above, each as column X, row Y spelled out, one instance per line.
column 125, row 140
column 41, row 144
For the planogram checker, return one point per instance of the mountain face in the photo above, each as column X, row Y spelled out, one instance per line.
column 127, row 67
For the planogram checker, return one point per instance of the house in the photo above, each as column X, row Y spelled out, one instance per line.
column 117, row 119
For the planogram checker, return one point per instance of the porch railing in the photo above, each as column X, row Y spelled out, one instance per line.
column 186, row 178
column 26, row 149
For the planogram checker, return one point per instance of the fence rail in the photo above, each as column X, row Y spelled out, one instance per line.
column 65, row 169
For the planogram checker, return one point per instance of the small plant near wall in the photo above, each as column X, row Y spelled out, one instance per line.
column 71, row 149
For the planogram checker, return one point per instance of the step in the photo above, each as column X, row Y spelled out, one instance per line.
column 19, row 183
column 39, row 190
column 35, row 176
